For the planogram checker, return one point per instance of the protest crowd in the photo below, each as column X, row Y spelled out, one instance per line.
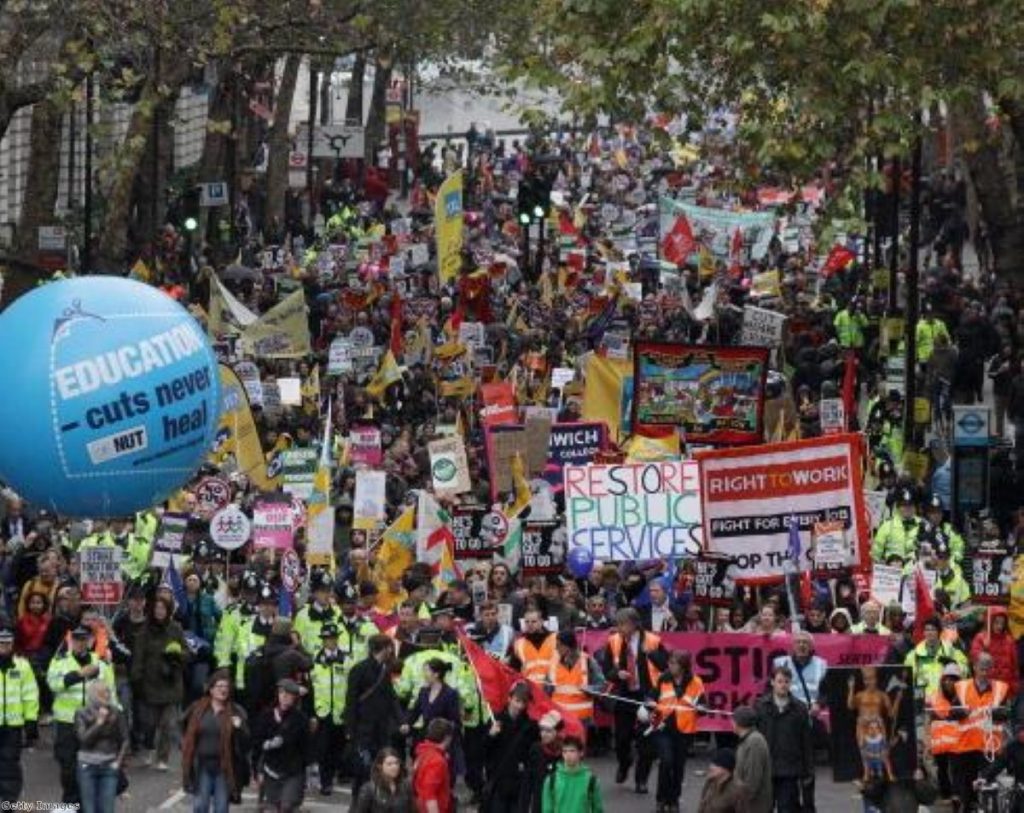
column 577, row 454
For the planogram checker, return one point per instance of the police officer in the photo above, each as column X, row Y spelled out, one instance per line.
column 233, row 619
column 319, row 610
column 354, row 629
column 67, row 678
column 254, row 631
column 897, row 536
column 935, row 514
column 330, row 684
column 19, row 710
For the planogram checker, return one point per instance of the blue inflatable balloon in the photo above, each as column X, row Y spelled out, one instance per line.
column 581, row 562
column 112, row 396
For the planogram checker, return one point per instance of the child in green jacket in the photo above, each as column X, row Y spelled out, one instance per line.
column 572, row 788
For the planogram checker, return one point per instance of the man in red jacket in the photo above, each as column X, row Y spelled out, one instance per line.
column 996, row 640
column 431, row 782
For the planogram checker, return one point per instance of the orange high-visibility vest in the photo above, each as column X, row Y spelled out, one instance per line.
column 683, row 707
column 536, row 661
column 568, row 687
column 650, row 642
column 978, row 732
column 945, row 733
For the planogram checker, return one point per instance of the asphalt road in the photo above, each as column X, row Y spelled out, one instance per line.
column 152, row 790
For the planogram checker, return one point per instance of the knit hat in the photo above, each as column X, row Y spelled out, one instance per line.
column 744, row 717
column 724, row 758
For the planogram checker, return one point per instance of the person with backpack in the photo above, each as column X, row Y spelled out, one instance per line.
column 572, row 788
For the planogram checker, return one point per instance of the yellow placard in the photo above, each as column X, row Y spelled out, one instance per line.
column 448, row 227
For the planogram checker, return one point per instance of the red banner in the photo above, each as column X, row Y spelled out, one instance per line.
column 736, row 667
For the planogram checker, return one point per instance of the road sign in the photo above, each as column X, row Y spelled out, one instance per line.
column 213, row 194
column 971, row 425
column 53, row 238
column 332, row 141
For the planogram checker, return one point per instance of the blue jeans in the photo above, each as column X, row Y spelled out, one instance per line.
column 97, row 787
column 211, row 787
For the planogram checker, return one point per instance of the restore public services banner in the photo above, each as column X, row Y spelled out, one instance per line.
column 448, row 227
column 716, row 228
column 634, row 511
column 736, row 667
column 750, row 494
column 716, row 394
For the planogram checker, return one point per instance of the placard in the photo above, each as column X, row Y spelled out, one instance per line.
column 212, row 494
column 169, row 539
column 467, row 520
column 989, row 572
column 831, row 550
column 832, row 416
column 568, row 443
column 761, row 327
column 339, row 359
column 298, row 468
column 364, row 446
column 449, row 468
column 715, row 394
column 100, row 575
column 272, row 525
column 635, row 511
column 750, row 496
column 875, row 503
column 472, row 334
column 886, row 584
column 291, row 391
column 543, row 548
column 537, row 436
column 714, row 583
column 230, row 528
column 370, row 499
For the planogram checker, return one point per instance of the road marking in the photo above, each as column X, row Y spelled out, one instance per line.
column 313, row 800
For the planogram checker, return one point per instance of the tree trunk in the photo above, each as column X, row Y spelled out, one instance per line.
column 326, row 69
column 221, row 129
column 113, row 248
column 375, row 120
column 354, row 102
column 43, row 170
column 277, row 145
column 149, row 195
column 994, row 162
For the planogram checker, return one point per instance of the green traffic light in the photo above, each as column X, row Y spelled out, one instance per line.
column 524, row 219
column 538, row 212
column 191, row 224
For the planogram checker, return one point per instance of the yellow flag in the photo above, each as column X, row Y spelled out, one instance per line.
column 520, row 486
column 642, row 449
column 311, row 392
column 604, row 394
column 448, row 227
column 282, row 332
column 396, row 554
column 706, row 263
column 387, row 374
column 236, row 435
column 140, row 271
column 460, row 388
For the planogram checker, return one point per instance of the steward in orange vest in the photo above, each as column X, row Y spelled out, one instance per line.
column 944, row 726
column 534, row 650
column 632, row 660
column 572, row 674
column 981, row 731
column 677, row 695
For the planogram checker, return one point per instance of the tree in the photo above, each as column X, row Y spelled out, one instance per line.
column 811, row 81
column 277, row 142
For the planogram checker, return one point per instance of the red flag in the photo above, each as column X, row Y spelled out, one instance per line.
column 679, row 243
column 849, row 385
column 396, row 324
column 924, row 605
column 565, row 225
column 838, row 258
column 496, row 681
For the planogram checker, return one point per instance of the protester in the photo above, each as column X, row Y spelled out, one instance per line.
column 572, row 787
column 784, row 722
column 541, row 761
column 753, row 761
column 388, row 790
column 723, row 792
column 373, row 713
column 432, row 785
column 101, row 731
column 281, row 745
column 215, row 747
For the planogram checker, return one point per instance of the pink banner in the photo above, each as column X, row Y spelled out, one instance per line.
column 736, row 667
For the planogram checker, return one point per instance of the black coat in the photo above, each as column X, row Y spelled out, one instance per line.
column 507, row 754
column 372, row 709
column 288, row 757
column 789, row 736
column 539, row 766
